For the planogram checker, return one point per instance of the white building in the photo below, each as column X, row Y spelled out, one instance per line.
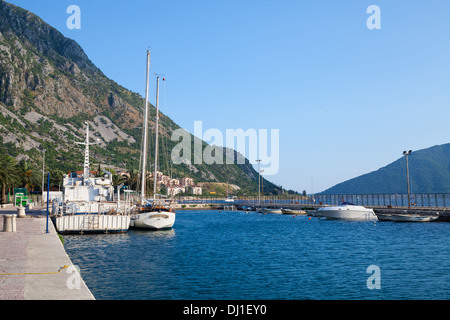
column 186, row 181
column 174, row 190
column 196, row 190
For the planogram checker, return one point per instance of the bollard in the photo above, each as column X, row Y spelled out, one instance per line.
column 7, row 223
column 21, row 211
column 14, row 223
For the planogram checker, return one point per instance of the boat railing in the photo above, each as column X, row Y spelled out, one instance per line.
column 73, row 208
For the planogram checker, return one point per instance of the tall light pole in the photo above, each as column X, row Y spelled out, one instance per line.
column 43, row 168
column 262, row 184
column 259, row 180
column 406, row 154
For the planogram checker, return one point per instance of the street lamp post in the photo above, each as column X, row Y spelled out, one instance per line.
column 43, row 170
column 259, row 181
column 406, row 154
column 262, row 185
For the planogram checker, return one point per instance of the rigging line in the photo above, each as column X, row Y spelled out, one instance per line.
column 164, row 138
column 138, row 182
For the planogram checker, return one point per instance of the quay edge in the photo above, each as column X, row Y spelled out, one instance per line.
column 38, row 256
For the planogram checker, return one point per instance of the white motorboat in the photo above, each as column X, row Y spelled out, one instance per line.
column 292, row 211
column 154, row 214
column 347, row 211
column 88, row 204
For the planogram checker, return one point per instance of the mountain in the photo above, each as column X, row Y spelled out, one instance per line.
column 429, row 172
column 49, row 88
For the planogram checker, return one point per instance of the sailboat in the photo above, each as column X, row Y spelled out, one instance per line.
column 155, row 214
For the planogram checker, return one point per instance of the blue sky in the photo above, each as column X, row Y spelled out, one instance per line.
column 346, row 100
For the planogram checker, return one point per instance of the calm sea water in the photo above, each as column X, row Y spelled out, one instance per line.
column 241, row 256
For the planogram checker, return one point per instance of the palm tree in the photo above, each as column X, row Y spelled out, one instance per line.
column 29, row 176
column 131, row 179
column 117, row 179
column 9, row 174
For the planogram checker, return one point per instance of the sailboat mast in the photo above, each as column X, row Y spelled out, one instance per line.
column 156, row 136
column 144, row 149
column 86, row 154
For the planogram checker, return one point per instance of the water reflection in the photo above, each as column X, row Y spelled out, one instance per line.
column 165, row 234
column 96, row 240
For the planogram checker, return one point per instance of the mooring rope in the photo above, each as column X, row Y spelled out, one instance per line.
column 20, row 273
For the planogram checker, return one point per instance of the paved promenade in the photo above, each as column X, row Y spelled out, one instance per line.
column 31, row 258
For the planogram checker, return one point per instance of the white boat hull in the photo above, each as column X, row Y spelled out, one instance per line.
column 412, row 218
column 275, row 211
column 290, row 211
column 153, row 220
column 91, row 223
column 348, row 213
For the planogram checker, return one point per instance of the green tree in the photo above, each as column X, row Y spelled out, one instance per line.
column 117, row 179
column 99, row 172
column 29, row 175
column 9, row 173
column 56, row 177
column 131, row 180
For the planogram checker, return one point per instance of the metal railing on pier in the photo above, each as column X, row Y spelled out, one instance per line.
column 419, row 200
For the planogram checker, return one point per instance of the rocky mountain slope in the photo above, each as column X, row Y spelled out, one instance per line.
column 49, row 88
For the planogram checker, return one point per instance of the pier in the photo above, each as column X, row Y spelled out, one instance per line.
column 34, row 264
column 430, row 203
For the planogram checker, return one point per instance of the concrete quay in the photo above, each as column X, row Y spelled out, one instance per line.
column 34, row 264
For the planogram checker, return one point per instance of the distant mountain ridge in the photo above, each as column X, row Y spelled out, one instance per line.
column 429, row 171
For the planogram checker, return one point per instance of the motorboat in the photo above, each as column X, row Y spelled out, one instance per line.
column 347, row 211
column 292, row 211
column 413, row 217
column 406, row 216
